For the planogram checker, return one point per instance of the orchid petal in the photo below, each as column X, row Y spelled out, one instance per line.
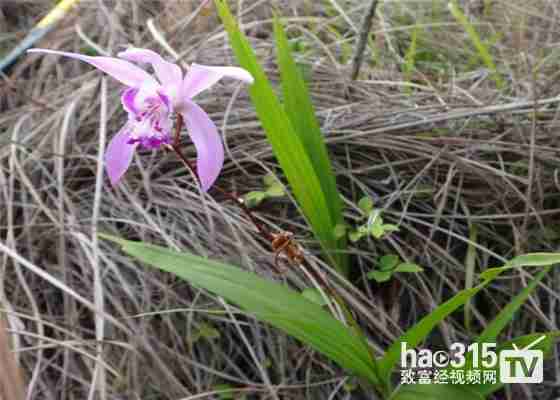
column 127, row 100
column 119, row 155
column 202, row 77
column 206, row 139
column 121, row 70
column 169, row 74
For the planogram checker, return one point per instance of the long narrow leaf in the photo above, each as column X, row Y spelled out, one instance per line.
column 521, row 342
column 525, row 260
column 267, row 301
column 313, row 197
column 493, row 329
column 479, row 45
column 475, row 391
column 301, row 112
column 489, row 335
column 421, row 330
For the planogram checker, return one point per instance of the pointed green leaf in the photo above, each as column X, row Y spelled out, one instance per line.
column 390, row 228
column 270, row 302
column 340, row 230
column 355, row 236
column 253, row 199
column 546, row 346
column 314, row 296
column 409, row 268
column 270, row 179
column 506, row 315
column 421, row 330
column 379, row 276
column 366, row 204
column 377, row 230
column 275, row 190
column 314, row 188
column 525, row 260
column 388, row 262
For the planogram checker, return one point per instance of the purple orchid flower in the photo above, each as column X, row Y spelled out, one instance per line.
column 151, row 102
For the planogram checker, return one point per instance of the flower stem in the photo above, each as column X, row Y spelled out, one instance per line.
column 176, row 147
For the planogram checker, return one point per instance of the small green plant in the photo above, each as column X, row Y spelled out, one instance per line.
column 374, row 225
column 225, row 391
column 309, row 322
column 204, row 331
column 273, row 189
column 410, row 57
column 390, row 264
column 295, row 136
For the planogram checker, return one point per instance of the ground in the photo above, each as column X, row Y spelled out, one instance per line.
column 464, row 161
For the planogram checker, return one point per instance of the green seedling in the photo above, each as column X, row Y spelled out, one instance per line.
column 389, row 265
column 374, row 226
column 273, row 188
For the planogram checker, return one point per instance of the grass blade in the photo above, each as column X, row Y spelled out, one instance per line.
column 477, row 42
column 289, row 147
column 470, row 266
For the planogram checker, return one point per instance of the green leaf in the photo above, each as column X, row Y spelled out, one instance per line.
column 435, row 392
column 489, row 335
column 483, row 51
column 484, row 390
column 300, row 152
column 270, row 179
column 388, row 262
column 315, row 296
column 253, row 199
column 421, row 330
column 301, row 112
column 525, row 260
column 506, row 315
column 207, row 332
column 275, row 190
column 379, row 276
column 377, row 230
column 340, row 230
column 366, row 204
column 546, row 346
column 410, row 56
column 227, row 391
column 355, row 236
column 390, row 228
column 409, row 268
column 470, row 264
column 281, row 307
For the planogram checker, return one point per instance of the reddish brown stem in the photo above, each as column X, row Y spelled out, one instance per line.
column 176, row 146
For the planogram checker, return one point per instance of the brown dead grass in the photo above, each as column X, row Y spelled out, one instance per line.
column 453, row 153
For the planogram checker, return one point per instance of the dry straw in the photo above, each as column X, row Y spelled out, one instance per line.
column 11, row 381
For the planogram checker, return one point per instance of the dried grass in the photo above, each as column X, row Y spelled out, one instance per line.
column 453, row 152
